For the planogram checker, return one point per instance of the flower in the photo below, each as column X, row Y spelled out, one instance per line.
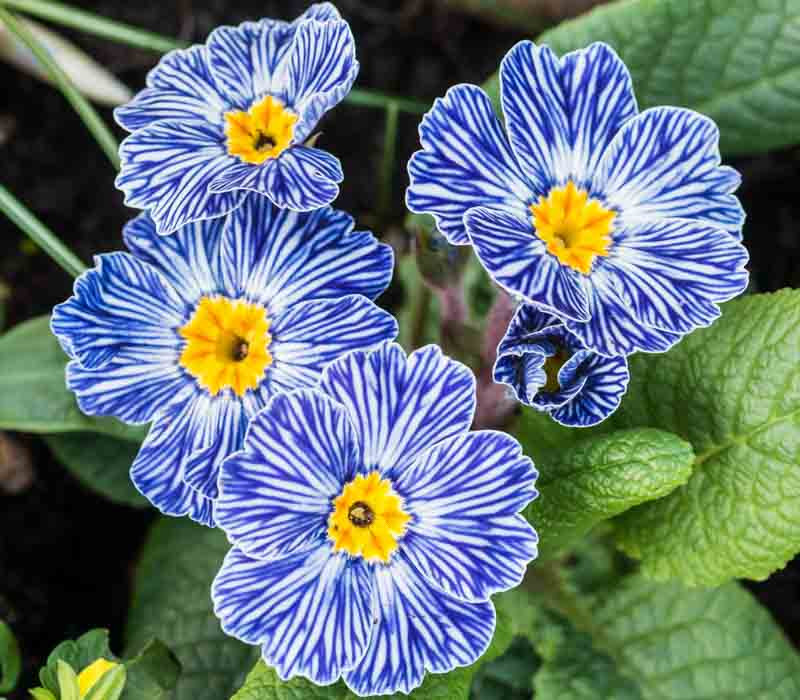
column 235, row 115
column 548, row 368
column 621, row 223
column 370, row 527
column 195, row 332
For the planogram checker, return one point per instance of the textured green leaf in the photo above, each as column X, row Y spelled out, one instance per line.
column 604, row 476
column 33, row 393
column 10, row 660
column 101, row 462
column 738, row 61
column 172, row 602
column 152, row 674
column 733, row 391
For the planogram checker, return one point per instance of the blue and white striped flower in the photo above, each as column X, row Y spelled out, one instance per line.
column 195, row 333
column 549, row 369
column 235, row 115
column 370, row 527
column 624, row 224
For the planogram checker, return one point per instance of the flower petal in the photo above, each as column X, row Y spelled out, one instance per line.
column 188, row 259
column 308, row 336
column 465, row 162
column 420, row 628
column 280, row 257
column 561, row 115
column 518, row 261
column 665, row 163
column 464, row 495
column 318, row 72
column 673, row 273
column 401, row 406
column 523, row 371
column 601, row 393
column 276, row 494
column 167, row 168
column 528, row 324
column 181, row 86
column 310, row 610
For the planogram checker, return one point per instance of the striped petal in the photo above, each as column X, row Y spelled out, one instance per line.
column 280, row 257
column 310, row 611
column 529, row 323
column 465, row 162
column 188, row 259
column 181, row 86
column 419, row 628
column 517, row 260
column 190, row 438
column 522, row 370
column 309, row 335
column 561, row 115
column 464, row 495
column 674, row 273
column 606, row 380
column 665, row 163
column 400, row 406
column 276, row 494
column 318, row 72
column 167, row 168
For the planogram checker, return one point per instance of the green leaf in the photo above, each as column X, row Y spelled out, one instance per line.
column 659, row 641
column 152, row 674
column 10, row 661
column 733, row 391
column 172, row 602
column 602, row 477
column 41, row 694
column 738, row 61
column 78, row 654
column 109, row 686
column 67, row 681
column 101, row 462
column 33, row 393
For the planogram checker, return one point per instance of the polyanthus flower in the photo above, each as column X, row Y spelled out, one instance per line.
column 549, row 369
column 235, row 115
column 370, row 528
column 621, row 223
column 197, row 331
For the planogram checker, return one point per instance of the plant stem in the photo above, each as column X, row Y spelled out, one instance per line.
column 387, row 163
column 39, row 233
column 85, row 111
column 380, row 100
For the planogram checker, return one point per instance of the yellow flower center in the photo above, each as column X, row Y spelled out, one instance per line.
column 368, row 518
column 575, row 228
column 227, row 344
column 264, row 131
column 91, row 674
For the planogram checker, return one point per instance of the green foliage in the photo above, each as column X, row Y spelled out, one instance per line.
column 33, row 393
column 10, row 661
column 110, row 685
column 602, row 477
column 77, row 654
column 101, row 462
column 656, row 641
column 152, row 673
column 67, row 681
column 738, row 61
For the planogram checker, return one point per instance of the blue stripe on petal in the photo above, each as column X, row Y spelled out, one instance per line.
column 240, row 56
column 606, row 381
column 401, row 406
column 522, row 370
column 188, row 259
column 465, row 162
column 280, row 257
column 420, row 628
column 158, row 469
column 181, row 86
column 168, row 167
column 673, row 273
column 277, row 493
column 464, row 495
column 665, row 164
column 318, row 72
column 308, row 336
column 527, row 325
column 310, row 611
column 517, row 260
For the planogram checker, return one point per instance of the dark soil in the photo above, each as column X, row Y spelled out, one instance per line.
column 66, row 555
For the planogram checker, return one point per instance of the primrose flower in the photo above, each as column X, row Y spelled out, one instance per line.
column 237, row 115
column 549, row 369
column 621, row 223
column 370, row 528
column 197, row 331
